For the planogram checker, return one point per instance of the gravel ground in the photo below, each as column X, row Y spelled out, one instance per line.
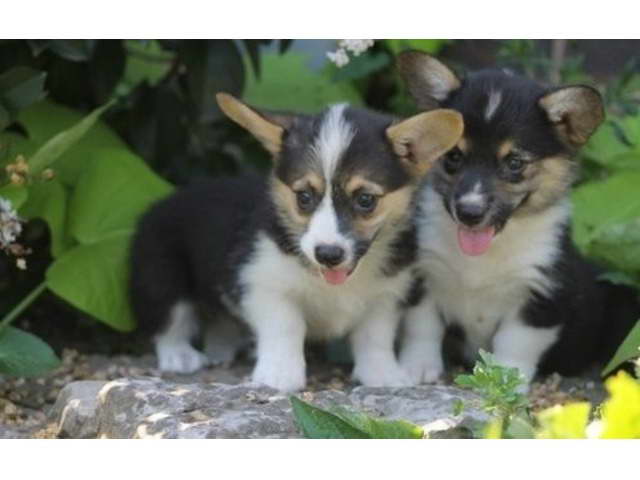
column 24, row 403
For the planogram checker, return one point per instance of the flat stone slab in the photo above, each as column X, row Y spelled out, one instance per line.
column 150, row 407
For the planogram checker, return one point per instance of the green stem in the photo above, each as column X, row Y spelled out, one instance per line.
column 18, row 309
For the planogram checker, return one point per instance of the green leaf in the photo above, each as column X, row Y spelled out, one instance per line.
column 606, row 221
column 380, row 428
column 619, row 278
column 56, row 146
column 25, row 355
column 287, row 83
column 48, row 201
column 21, row 87
column 520, row 427
column 147, row 62
column 113, row 191
column 626, row 351
column 45, row 120
column 13, row 144
column 17, row 195
column 317, row 423
column 94, row 278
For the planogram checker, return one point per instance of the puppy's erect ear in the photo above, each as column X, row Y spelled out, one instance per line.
column 421, row 139
column 429, row 81
column 576, row 112
column 265, row 127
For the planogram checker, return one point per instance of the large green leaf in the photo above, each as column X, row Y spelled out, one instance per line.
column 629, row 349
column 605, row 219
column 287, row 83
column 23, row 354
column 111, row 193
column 46, row 119
column 380, row 428
column 48, row 153
column 94, row 278
column 13, row 144
column 147, row 62
column 317, row 423
column 616, row 144
column 342, row 423
column 17, row 195
column 48, row 201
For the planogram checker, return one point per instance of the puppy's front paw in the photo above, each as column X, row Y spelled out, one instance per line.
column 181, row 358
column 381, row 374
column 283, row 376
column 420, row 367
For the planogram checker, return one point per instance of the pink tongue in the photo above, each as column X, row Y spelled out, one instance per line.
column 475, row 242
column 335, row 277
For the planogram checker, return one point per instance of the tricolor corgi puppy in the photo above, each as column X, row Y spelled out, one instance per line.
column 498, row 266
column 321, row 248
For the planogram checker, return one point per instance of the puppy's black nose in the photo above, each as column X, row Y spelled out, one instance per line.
column 329, row 255
column 470, row 214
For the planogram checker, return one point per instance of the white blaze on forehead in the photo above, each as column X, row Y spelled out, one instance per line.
column 474, row 197
column 493, row 102
column 333, row 139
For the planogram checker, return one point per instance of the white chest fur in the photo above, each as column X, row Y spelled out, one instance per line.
column 480, row 292
column 328, row 310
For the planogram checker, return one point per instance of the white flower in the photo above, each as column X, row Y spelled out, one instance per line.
column 21, row 263
column 339, row 57
column 10, row 226
column 355, row 46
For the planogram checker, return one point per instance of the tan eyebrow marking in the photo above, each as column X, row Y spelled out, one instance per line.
column 356, row 182
column 505, row 148
column 312, row 179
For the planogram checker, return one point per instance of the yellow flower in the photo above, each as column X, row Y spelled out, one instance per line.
column 621, row 412
column 564, row 421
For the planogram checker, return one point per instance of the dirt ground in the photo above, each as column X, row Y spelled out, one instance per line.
column 25, row 402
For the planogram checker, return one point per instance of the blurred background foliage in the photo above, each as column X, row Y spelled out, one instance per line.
column 163, row 128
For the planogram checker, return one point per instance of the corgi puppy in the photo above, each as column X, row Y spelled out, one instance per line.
column 497, row 264
column 320, row 248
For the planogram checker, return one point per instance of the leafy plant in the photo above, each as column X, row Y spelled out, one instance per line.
column 90, row 198
column 497, row 385
column 619, row 415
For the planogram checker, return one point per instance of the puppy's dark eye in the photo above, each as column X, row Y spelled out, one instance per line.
column 514, row 163
column 305, row 200
column 453, row 160
column 365, row 202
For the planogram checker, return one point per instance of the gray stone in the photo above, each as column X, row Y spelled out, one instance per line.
column 150, row 407
column 75, row 409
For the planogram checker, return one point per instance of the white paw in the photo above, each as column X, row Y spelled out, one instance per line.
column 381, row 374
column 421, row 367
column 284, row 376
column 182, row 358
